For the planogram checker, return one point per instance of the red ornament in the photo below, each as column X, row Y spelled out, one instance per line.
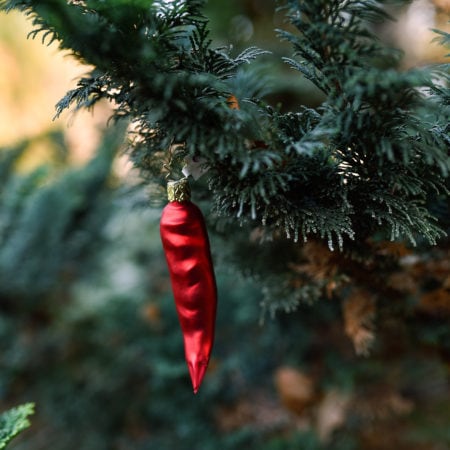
column 186, row 246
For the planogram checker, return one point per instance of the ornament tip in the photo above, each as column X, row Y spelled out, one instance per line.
column 197, row 371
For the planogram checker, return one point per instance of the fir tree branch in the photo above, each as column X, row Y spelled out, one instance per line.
column 13, row 421
column 306, row 172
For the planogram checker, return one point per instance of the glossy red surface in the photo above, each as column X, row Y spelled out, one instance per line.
column 186, row 246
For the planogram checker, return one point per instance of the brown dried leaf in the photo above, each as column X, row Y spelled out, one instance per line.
column 437, row 268
column 321, row 263
column 297, row 390
column 382, row 402
column 446, row 284
column 359, row 313
column 257, row 411
column 436, row 302
column 331, row 413
column 396, row 249
column 403, row 282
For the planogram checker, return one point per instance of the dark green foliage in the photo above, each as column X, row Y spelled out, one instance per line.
column 13, row 421
column 154, row 62
column 332, row 172
column 65, row 218
column 379, row 141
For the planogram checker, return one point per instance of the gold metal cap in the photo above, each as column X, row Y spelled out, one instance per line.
column 179, row 191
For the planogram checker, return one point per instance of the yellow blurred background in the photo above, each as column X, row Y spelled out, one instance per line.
column 33, row 78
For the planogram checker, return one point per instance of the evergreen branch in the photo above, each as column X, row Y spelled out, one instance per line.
column 170, row 71
column 334, row 39
column 443, row 37
column 310, row 73
column 248, row 55
column 73, row 205
column 14, row 421
column 89, row 90
column 278, row 296
column 156, row 64
column 406, row 220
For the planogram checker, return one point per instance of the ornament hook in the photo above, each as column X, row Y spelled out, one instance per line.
column 168, row 166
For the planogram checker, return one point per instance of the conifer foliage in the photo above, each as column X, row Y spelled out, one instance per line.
column 364, row 161
column 362, row 164
column 13, row 421
column 47, row 229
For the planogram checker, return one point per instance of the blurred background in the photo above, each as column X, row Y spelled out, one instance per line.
column 88, row 329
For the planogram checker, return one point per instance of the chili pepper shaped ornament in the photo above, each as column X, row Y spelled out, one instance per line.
column 186, row 247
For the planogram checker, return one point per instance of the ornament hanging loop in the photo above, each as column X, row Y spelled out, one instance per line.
column 175, row 153
column 168, row 165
